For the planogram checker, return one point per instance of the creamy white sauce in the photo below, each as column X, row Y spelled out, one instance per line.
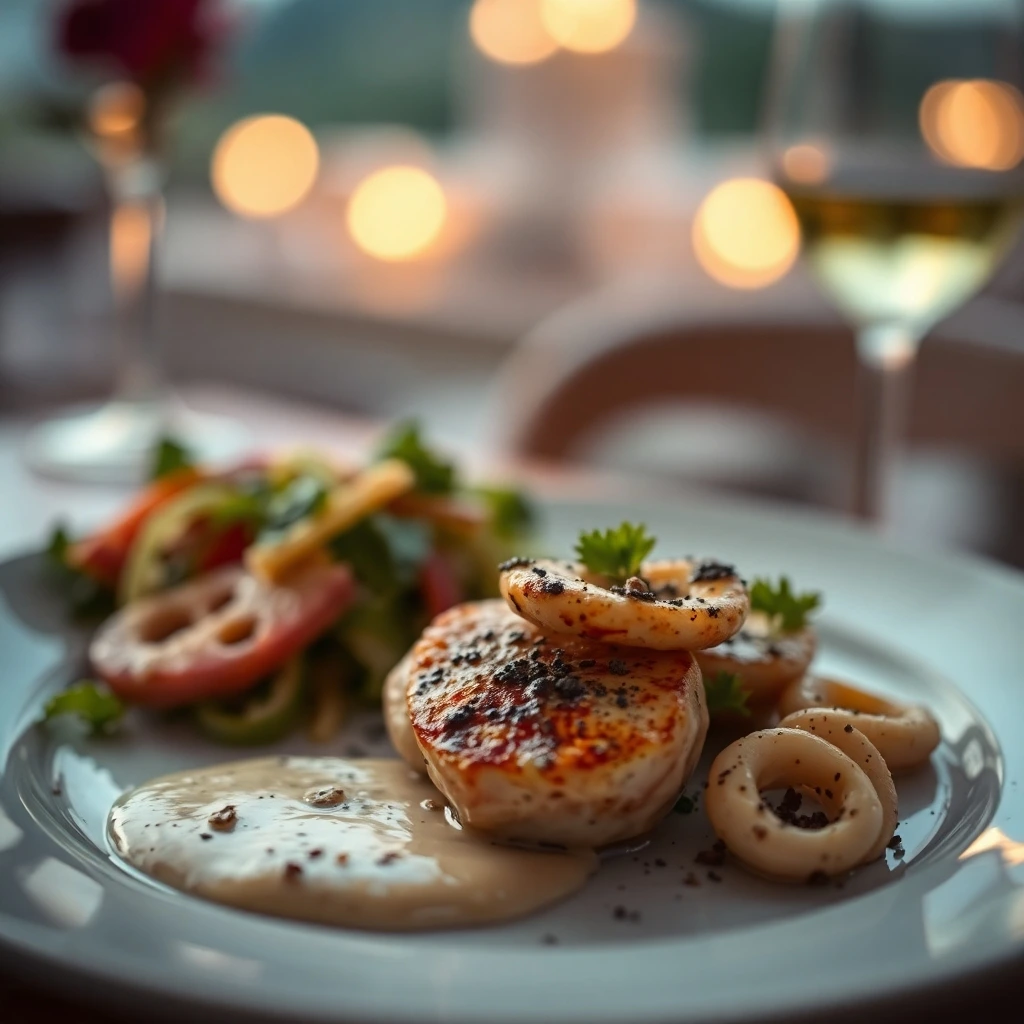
column 358, row 843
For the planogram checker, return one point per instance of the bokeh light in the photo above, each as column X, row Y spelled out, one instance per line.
column 116, row 109
column 131, row 234
column 806, row 163
column 264, row 166
column 511, row 31
column 588, row 26
column 974, row 123
column 397, row 213
column 746, row 234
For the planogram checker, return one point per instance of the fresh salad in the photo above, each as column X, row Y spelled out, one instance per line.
column 280, row 591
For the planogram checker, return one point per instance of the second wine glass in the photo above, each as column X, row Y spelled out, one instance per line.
column 898, row 133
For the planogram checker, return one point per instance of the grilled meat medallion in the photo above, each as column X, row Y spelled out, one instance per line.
column 552, row 738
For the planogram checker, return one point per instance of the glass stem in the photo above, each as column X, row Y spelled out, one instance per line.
column 886, row 353
column 136, row 223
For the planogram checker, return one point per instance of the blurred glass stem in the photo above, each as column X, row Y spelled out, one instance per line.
column 136, row 222
column 114, row 443
column 887, row 353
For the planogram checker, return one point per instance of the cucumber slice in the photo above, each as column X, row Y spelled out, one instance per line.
column 143, row 571
column 261, row 716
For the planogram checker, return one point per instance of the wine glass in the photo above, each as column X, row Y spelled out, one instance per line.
column 897, row 131
column 159, row 48
column 114, row 442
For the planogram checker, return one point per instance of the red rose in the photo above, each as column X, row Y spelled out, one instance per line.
column 148, row 41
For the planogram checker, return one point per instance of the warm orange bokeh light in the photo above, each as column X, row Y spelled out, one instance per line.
column 397, row 213
column 116, row 109
column 974, row 123
column 510, row 31
column 806, row 164
column 131, row 235
column 745, row 234
column 588, row 26
column 264, row 166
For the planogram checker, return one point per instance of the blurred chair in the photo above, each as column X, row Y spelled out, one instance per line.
column 592, row 367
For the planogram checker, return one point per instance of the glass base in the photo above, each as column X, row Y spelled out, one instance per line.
column 114, row 443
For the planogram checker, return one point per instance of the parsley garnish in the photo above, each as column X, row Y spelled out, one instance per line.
column 787, row 610
column 87, row 597
column 300, row 498
column 725, row 692
column 57, row 547
column 685, row 805
column 616, row 552
column 366, row 550
column 92, row 702
column 511, row 514
column 169, row 456
column 433, row 474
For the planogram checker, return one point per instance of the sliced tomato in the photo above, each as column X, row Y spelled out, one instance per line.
column 103, row 555
column 227, row 546
column 216, row 635
column 439, row 584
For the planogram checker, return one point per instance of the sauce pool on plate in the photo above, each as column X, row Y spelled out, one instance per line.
column 356, row 843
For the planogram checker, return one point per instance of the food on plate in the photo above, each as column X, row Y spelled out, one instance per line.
column 216, row 635
column 774, row 646
column 904, row 734
column 264, row 713
column 764, row 662
column 90, row 703
column 359, row 843
column 684, row 604
column 396, row 716
column 566, row 715
column 218, row 579
column 344, row 505
column 773, row 758
column 840, row 733
column 552, row 738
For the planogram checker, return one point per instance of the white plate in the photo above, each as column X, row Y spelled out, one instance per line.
column 945, row 631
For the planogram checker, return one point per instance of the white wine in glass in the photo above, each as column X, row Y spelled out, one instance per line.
column 898, row 135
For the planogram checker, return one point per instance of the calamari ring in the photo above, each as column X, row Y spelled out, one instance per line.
column 905, row 734
column 837, row 730
column 774, row 758
column 765, row 663
column 679, row 605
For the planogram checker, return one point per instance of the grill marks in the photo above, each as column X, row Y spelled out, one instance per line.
column 531, row 698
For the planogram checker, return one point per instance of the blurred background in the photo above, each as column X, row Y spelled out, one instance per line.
column 546, row 228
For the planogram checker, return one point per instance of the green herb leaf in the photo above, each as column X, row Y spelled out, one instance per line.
column 87, row 597
column 366, row 550
column 300, row 498
column 725, row 692
column 241, row 508
column 57, row 546
column 788, row 610
column 512, row 515
column 685, row 805
column 169, row 456
column 433, row 474
column 92, row 702
column 616, row 552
